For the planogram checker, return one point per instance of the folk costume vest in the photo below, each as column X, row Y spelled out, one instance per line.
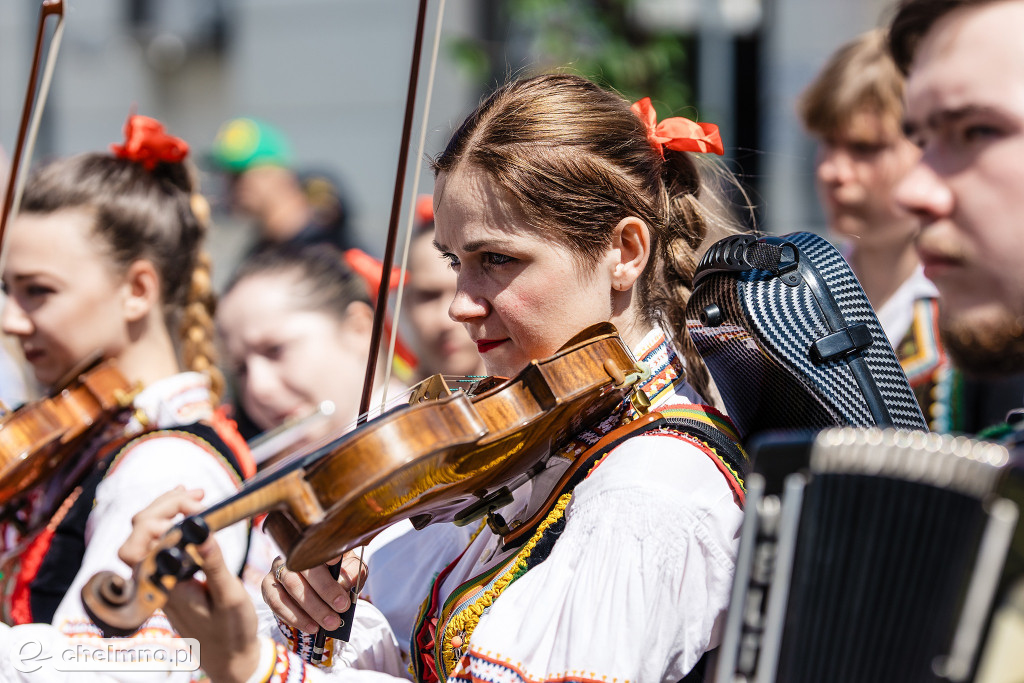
column 38, row 578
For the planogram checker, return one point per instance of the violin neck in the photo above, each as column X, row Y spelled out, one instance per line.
column 289, row 492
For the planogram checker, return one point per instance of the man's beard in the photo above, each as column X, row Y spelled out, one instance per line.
column 990, row 348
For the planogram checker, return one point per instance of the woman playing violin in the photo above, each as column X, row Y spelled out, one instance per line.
column 558, row 206
column 105, row 260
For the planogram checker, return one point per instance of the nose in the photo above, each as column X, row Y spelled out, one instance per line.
column 14, row 320
column 835, row 166
column 924, row 193
column 467, row 306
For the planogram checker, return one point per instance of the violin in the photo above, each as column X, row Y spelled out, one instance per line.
column 447, row 458
column 36, row 438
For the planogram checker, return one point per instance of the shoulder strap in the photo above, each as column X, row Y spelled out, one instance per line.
column 719, row 436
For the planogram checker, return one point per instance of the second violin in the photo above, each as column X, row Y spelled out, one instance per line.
column 35, row 438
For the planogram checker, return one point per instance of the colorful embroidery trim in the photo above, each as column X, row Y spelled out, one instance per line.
column 462, row 621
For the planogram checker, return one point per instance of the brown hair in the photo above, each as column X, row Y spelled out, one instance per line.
column 143, row 214
column 913, row 19
column 577, row 161
column 859, row 76
column 326, row 283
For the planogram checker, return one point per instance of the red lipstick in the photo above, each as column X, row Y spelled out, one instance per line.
column 485, row 345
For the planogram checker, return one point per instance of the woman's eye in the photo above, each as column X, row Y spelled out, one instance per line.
column 452, row 259
column 38, row 290
column 865, row 149
column 492, row 259
column 977, row 132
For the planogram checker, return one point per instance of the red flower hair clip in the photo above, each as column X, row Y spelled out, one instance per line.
column 678, row 133
column 146, row 143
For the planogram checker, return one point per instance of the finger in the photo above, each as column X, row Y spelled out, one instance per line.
column 224, row 586
column 285, row 607
column 333, row 592
column 304, row 588
column 144, row 536
column 353, row 571
column 154, row 520
column 178, row 500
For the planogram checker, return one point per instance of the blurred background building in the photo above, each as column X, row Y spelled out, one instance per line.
column 331, row 74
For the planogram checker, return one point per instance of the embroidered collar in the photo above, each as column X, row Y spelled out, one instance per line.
column 180, row 399
column 668, row 378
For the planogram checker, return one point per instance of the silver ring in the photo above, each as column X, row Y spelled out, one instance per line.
column 277, row 572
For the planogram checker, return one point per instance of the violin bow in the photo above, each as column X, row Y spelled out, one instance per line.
column 396, row 210
column 380, row 309
column 421, row 145
column 31, row 116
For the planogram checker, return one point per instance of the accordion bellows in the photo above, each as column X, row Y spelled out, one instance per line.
column 790, row 339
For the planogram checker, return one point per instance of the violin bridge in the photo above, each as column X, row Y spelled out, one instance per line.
column 430, row 389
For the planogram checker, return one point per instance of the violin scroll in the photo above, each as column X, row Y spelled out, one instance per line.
column 120, row 606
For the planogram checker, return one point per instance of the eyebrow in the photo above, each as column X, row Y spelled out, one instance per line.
column 23, row 277
column 470, row 247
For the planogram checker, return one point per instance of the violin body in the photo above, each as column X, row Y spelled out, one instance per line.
column 429, row 462
column 36, row 438
column 432, row 461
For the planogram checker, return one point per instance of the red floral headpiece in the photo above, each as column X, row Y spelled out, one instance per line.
column 678, row 133
column 146, row 143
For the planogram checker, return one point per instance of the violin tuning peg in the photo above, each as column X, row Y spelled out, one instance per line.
column 169, row 561
column 194, row 530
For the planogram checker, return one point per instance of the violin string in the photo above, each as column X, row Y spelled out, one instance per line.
column 415, row 192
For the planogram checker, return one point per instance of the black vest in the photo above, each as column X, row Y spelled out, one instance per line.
column 63, row 558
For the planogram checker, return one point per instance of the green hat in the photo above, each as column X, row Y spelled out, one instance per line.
column 243, row 143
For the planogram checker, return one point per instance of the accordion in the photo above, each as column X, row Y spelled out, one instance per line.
column 790, row 339
column 873, row 555
column 866, row 554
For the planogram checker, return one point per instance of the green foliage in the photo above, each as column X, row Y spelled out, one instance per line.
column 598, row 39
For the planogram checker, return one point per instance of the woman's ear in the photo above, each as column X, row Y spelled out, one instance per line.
column 631, row 249
column 142, row 290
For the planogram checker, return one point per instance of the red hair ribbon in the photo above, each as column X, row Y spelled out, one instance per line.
column 424, row 209
column 678, row 133
column 146, row 143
